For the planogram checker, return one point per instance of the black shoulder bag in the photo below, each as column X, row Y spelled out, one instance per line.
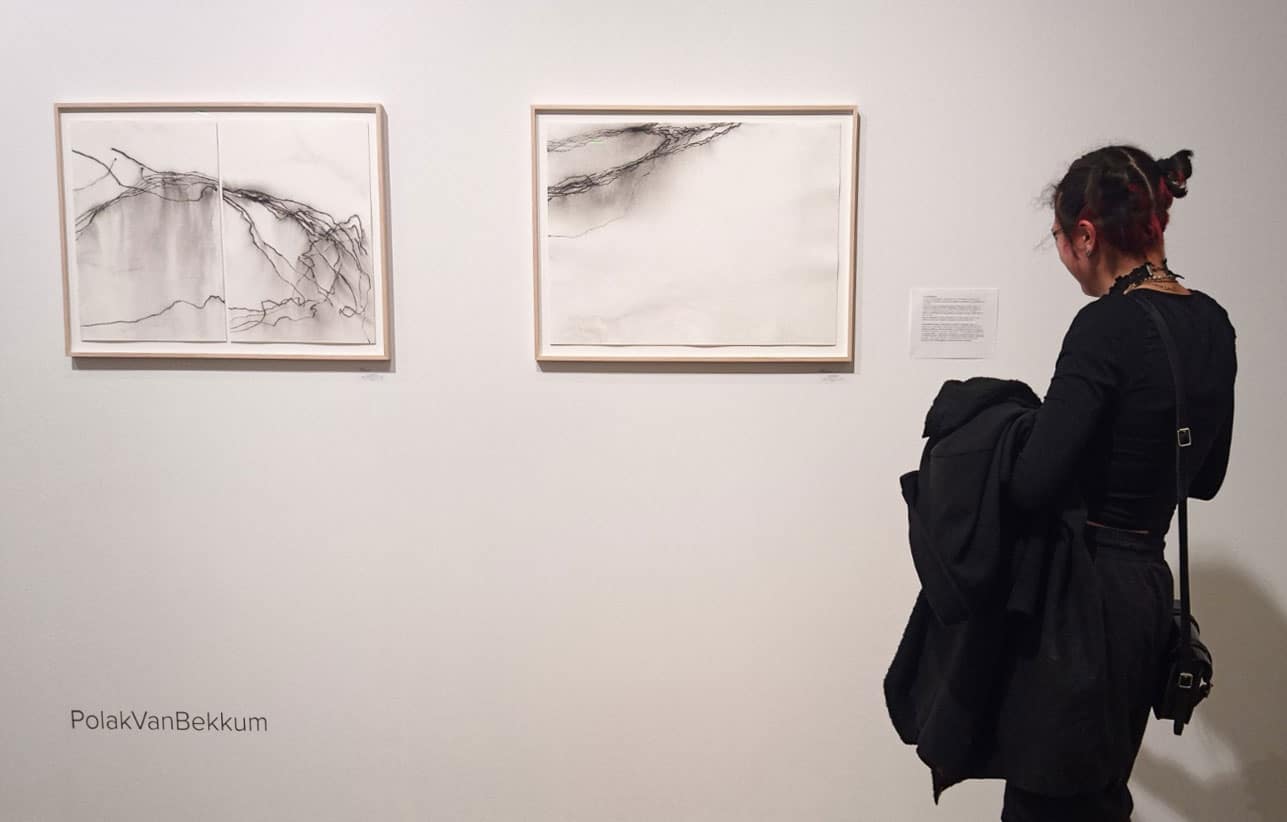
column 1188, row 665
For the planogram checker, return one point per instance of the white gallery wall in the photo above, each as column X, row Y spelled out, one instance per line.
column 464, row 588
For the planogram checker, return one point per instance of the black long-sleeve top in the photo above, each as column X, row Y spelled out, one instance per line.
column 1108, row 420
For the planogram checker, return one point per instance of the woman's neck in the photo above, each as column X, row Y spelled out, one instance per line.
column 1113, row 265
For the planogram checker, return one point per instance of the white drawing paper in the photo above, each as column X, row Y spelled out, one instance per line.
column 297, row 225
column 145, row 206
column 716, row 233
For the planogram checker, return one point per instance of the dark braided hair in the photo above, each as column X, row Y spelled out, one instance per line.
column 1124, row 192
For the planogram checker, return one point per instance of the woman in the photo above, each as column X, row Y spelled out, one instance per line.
column 1107, row 425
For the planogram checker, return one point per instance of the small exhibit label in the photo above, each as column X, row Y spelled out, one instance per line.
column 953, row 323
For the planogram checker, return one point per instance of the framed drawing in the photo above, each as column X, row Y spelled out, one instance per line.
column 694, row 234
column 228, row 230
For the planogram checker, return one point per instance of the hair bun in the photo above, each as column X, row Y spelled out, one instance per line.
column 1176, row 171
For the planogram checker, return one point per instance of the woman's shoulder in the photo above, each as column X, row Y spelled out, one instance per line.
column 1113, row 321
column 1101, row 329
column 1106, row 315
column 1115, row 308
column 1210, row 305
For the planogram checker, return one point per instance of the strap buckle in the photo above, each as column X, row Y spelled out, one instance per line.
column 1184, row 437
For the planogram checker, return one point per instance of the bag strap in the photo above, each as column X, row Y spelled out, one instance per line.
column 1183, row 439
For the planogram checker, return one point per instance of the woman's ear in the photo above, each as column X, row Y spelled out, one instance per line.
column 1086, row 237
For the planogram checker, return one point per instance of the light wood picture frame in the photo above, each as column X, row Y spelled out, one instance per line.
column 224, row 230
column 694, row 233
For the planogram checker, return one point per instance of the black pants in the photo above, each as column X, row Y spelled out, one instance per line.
column 1137, row 591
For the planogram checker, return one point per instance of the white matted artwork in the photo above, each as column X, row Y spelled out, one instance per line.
column 694, row 234
column 230, row 230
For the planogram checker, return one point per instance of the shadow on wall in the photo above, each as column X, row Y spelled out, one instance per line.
column 1247, row 633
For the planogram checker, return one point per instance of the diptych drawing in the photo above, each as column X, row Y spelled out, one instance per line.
column 224, row 232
